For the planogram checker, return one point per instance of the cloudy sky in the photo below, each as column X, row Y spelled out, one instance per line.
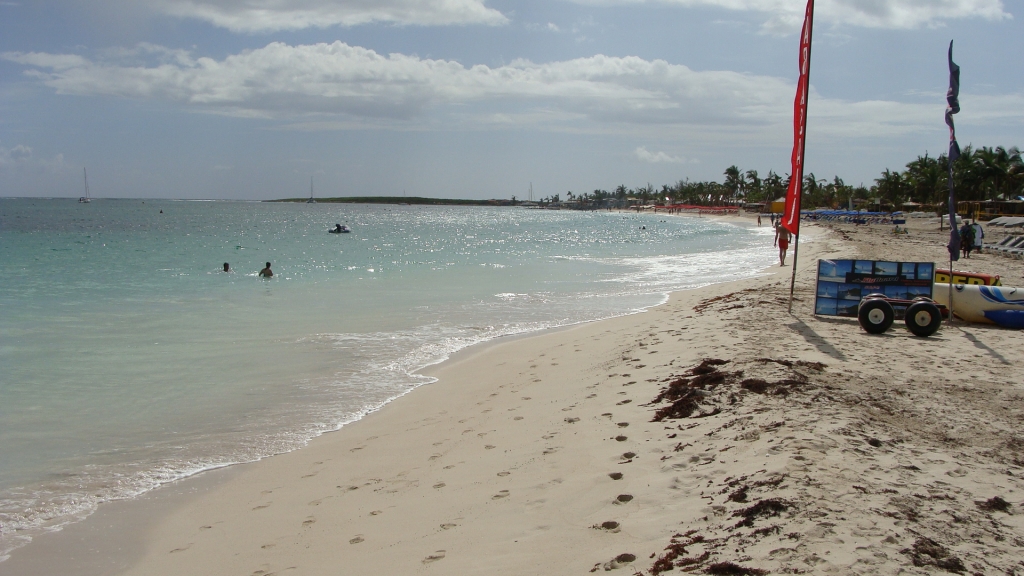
column 479, row 98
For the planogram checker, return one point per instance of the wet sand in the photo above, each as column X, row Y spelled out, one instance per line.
column 716, row 433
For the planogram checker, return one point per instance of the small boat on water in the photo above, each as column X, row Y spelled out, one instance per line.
column 339, row 229
column 87, row 198
column 310, row 201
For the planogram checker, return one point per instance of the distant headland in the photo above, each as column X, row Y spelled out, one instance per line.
column 401, row 200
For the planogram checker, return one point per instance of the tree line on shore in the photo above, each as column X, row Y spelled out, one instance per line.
column 979, row 174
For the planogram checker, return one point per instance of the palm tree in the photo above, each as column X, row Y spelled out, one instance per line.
column 754, row 193
column 926, row 180
column 891, row 187
column 733, row 181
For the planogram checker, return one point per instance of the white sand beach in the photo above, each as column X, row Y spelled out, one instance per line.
column 806, row 446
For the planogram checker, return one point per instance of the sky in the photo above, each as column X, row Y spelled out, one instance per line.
column 251, row 99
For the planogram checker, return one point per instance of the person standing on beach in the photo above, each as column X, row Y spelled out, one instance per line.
column 979, row 236
column 782, row 237
column 266, row 272
column 966, row 238
column 759, row 220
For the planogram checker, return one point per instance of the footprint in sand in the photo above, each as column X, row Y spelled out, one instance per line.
column 609, row 526
column 501, row 494
column 621, row 438
column 526, row 397
column 503, row 473
column 628, row 455
column 186, row 547
column 619, row 561
column 434, row 457
column 439, row 555
column 262, row 506
column 626, row 401
column 308, row 522
column 448, row 526
column 376, row 512
column 572, row 420
column 439, row 485
column 357, row 539
column 205, row 527
column 449, row 467
column 518, row 418
column 615, row 475
column 309, row 475
column 489, row 447
column 623, row 498
column 622, row 424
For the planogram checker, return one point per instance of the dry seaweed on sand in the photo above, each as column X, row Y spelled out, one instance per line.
column 928, row 552
column 730, row 569
column 764, row 509
column 994, row 504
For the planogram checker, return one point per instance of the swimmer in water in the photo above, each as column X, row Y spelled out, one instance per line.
column 266, row 272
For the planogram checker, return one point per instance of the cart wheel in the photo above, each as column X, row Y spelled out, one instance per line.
column 923, row 318
column 875, row 315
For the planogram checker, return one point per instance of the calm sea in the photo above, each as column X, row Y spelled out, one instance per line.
column 131, row 360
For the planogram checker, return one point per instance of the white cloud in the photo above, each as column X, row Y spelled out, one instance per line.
column 23, row 157
column 276, row 15
column 337, row 86
column 786, row 16
column 645, row 155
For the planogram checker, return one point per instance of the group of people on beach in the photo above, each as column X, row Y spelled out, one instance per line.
column 265, row 273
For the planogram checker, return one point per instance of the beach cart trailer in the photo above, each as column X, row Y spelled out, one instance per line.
column 922, row 315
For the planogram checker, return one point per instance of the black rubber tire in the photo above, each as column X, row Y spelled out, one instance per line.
column 923, row 318
column 875, row 315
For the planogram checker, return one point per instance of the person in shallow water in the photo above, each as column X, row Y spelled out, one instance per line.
column 227, row 267
column 266, row 272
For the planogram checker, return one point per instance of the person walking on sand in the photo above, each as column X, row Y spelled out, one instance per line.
column 759, row 220
column 782, row 237
column 266, row 272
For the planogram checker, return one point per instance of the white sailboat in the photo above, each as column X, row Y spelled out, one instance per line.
column 87, row 198
column 310, row 201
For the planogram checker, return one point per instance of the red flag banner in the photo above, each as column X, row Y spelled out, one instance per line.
column 791, row 215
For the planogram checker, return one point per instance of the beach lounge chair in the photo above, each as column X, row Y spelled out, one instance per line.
column 1004, row 242
column 1016, row 251
column 1004, row 249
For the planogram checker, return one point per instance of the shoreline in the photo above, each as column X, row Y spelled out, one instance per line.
column 850, row 456
column 84, row 536
column 132, row 511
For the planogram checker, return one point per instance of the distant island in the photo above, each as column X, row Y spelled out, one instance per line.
column 401, row 200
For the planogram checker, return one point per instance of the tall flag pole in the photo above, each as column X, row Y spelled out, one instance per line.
column 791, row 214
column 952, row 107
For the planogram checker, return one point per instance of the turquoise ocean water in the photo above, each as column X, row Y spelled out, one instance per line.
column 130, row 360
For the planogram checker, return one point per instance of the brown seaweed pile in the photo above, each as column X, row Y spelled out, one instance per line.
column 705, row 389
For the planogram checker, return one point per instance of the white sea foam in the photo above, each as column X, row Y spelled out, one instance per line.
column 135, row 367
